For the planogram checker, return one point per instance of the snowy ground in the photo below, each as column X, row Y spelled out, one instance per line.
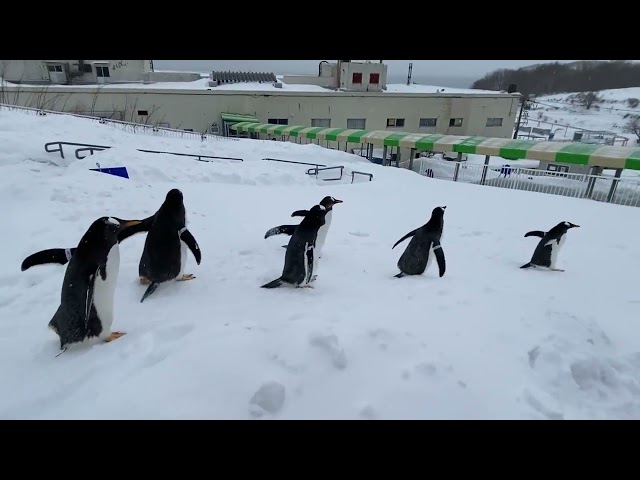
column 488, row 340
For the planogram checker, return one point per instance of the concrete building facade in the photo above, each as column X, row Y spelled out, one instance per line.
column 352, row 95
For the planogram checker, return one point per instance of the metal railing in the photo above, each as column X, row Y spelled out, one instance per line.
column 316, row 170
column 130, row 127
column 601, row 188
column 86, row 147
column 354, row 173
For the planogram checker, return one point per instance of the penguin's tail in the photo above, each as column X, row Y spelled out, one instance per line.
column 400, row 275
column 274, row 284
column 150, row 289
column 527, row 265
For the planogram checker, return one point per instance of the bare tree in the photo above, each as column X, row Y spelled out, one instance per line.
column 633, row 126
column 588, row 99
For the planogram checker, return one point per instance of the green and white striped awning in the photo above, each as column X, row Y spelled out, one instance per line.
column 236, row 117
column 561, row 152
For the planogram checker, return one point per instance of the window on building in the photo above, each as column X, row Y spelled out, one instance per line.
column 357, row 78
column 54, row 68
column 494, row 122
column 395, row 122
column 142, row 113
column 278, row 121
column 321, row 122
column 87, row 68
column 102, row 71
column 455, row 122
column 374, row 78
column 356, row 123
column 428, row 122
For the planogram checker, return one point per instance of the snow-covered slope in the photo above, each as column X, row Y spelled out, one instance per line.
column 564, row 114
column 487, row 340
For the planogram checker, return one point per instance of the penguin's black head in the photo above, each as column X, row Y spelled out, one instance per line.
column 110, row 227
column 438, row 211
column 328, row 202
column 174, row 196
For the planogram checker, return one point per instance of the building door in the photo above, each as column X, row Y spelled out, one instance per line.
column 56, row 73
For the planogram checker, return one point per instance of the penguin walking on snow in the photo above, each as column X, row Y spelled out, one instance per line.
column 546, row 253
column 327, row 202
column 300, row 258
column 88, row 288
column 165, row 249
column 424, row 245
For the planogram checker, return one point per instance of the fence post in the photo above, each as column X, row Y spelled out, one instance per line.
column 412, row 154
column 593, row 174
column 384, row 156
column 484, row 169
column 455, row 172
column 614, row 185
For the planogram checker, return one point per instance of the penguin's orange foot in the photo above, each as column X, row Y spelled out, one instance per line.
column 114, row 336
column 144, row 281
column 185, row 277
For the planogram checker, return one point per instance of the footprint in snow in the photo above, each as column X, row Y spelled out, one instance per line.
column 329, row 344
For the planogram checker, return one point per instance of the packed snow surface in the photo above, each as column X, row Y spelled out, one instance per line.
column 486, row 341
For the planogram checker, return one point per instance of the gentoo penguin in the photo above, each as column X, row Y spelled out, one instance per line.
column 417, row 257
column 165, row 248
column 328, row 203
column 546, row 253
column 86, row 301
column 300, row 258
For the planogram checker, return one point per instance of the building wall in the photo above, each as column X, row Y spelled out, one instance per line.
column 35, row 71
column 365, row 69
column 198, row 109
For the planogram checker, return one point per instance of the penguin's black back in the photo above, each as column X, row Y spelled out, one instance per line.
column 306, row 233
column 413, row 260
column 542, row 253
column 89, row 259
column 160, row 260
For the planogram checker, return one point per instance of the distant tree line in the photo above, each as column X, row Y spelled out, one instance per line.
column 551, row 78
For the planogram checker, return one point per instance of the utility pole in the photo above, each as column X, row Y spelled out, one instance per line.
column 524, row 101
column 409, row 74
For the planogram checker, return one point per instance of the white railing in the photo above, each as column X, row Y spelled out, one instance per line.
column 130, row 127
column 601, row 188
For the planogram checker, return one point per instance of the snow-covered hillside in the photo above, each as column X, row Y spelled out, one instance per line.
column 488, row 340
column 565, row 115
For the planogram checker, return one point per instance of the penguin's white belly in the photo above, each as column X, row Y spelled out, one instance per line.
column 322, row 233
column 429, row 259
column 104, row 291
column 555, row 250
column 183, row 257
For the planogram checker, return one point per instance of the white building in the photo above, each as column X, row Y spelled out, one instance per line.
column 344, row 94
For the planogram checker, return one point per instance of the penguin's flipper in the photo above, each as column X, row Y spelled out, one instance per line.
column 273, row 284
column 143, row 226
column 535, row 233
column 190, row 240
column 410, row 234
column 300, row 213
column 150, row 289
column 439, row 253
column 280, row 230
column 52, row 255
column 527, row 265
column 89, row 299
column 309, row 259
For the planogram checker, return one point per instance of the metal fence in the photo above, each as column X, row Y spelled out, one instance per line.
column 601, row 188
column 131, row 127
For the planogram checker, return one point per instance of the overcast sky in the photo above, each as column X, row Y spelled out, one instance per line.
column 432, row 68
